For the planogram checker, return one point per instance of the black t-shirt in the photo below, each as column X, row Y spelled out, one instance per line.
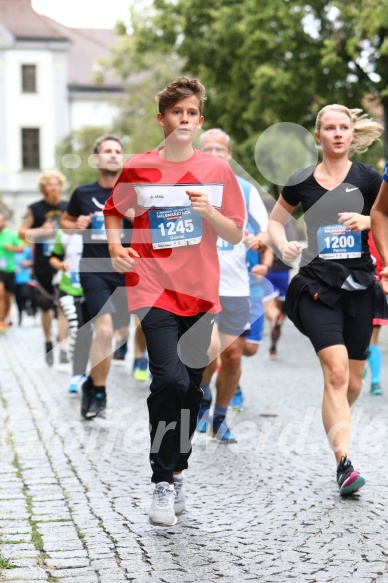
column 90, row 199
column 356, row 194
column 42, row 212
column 292, row 234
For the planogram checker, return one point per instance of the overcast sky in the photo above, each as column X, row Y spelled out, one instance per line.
column 84, row 13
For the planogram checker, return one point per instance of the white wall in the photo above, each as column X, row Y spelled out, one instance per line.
column 38, row 110
column 91, row 112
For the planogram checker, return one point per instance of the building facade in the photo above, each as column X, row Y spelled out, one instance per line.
column 47, row 89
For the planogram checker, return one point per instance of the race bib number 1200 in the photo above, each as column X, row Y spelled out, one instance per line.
column 175, row 227
column 336, row 242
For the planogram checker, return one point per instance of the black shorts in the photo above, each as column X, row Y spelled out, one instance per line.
column 46, row 281
column 103, row 296
column 8, row 279
column 331, row 326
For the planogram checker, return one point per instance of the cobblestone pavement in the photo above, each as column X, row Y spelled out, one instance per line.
column 74, row 495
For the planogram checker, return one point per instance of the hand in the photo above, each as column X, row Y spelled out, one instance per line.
column 384, row 280
column 48, row 226
column 200, row 203
column 122, row 258
column 259, row 271
column 83, row 221
column 291, row 251
column 354, row 221
column 250, row 241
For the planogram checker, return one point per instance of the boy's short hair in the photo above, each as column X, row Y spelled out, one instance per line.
column 178, row 89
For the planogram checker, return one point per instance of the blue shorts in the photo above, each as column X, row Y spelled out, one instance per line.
column 262, row 289
column 103, row 296
column 234, row 319
column 280, row 281
column 255, row 335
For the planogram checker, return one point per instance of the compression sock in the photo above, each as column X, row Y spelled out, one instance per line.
column 374, row 360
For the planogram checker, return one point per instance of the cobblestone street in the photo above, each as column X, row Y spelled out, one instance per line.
column 74, row 495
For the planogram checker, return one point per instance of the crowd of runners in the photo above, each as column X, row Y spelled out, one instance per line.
column 192, row 252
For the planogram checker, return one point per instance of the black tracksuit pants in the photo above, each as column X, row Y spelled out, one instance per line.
column 177, row 349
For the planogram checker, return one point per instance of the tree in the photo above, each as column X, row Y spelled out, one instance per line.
column 261, row 62
column 355, row 54
column 264, row 63
column 144, row 74
column 74, row 156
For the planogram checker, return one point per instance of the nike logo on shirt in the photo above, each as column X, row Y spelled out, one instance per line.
column 350, row 189
column 98, row 204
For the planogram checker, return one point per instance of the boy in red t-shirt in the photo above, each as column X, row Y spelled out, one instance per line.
column 181, row 200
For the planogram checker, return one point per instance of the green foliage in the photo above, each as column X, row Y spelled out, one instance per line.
column 144, row 72
column 6, row 563
column 74, row 156
column 261, row 63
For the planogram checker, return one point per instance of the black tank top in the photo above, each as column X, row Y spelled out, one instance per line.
column 42, row 212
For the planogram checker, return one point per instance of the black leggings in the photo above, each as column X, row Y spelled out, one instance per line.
column 330, row 326
column 177, row 349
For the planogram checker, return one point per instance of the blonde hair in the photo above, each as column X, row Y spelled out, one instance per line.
column 45, row 177
column 366, row 130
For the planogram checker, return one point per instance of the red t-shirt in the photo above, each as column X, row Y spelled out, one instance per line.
column 178, row 268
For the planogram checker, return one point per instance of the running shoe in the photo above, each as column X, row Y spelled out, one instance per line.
column 120, row 352
column 203, row 417
column 161, row 512
column 221, row 431
column 49, row 356
column 87, row 394
column 180, row 499
column 237, row 400
column 272, row 353
column 348, row 480
column 140, row 369
column 63, row 358
column 3, row 327
column 276, row 327
column 97, row 404
column 376, row 389
column 75, row 382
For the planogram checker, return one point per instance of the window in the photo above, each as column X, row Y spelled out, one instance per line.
column 31, row 148
column 29, row 78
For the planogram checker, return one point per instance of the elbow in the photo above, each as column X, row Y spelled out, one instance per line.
column 237, row 237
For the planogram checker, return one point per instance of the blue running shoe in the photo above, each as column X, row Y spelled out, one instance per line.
column 376, row 389
column 237, row 400
column 120, row 352
column 203, row 417
column 221, row 431
column 75, row 382
column 140, row 369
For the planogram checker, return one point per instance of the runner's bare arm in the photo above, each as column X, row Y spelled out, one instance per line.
column 122, row 257
column 224, row 227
